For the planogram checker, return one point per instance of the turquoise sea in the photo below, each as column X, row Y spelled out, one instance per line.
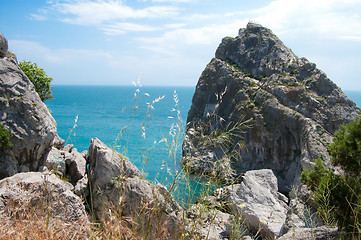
column 140, row 122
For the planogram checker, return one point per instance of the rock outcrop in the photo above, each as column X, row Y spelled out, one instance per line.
column 23, row 112
column 257, row 105
column 3, row 46
column 27, row 191
column 258, row 202
column 115, row 183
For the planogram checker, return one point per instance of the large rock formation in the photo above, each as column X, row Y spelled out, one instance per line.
column 290, row 107
column 28, row 118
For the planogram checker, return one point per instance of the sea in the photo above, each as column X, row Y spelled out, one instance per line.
column 145, row 124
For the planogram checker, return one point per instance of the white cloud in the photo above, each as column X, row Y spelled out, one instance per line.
column 175, row 41
column 323, row 18
column 87, row 12
column 123, row 27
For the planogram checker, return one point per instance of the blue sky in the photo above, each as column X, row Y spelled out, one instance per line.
column 169, row 42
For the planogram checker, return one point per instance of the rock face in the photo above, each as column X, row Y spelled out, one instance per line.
column 3, row 46
column 258, row 202
column 115, row 183
column 23, row 112
column 291, row 109
column 36, row 190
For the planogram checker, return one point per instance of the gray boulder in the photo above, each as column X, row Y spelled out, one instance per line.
column 116, row 187
column 257, row 201
column 36, row 190
column 209, row 223
column 3, row 46
column 319, row 233
column 28, row 118
column 67, row 161
column 105, row 165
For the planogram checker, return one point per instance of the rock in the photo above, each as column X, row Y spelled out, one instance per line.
column 66, row 161
column 105, row 165
column 258, row 202
column 81, row 187
column 209, row 223
column 319, row 233
column 117, row 189
column 41, row 190
column 23, row 112
column 55, row 161
column 257, row 105
column 3, row 46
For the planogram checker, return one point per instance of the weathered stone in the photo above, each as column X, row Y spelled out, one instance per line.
column 105, row 165
column 292, row 110
column 81, row 187
column 115, row 185
column 23, row 112
column 209, row 223
column 3, row 46
column 55, row 161
column 66, row 161
column 34, row 189
column 257, row 201
column 319, row 233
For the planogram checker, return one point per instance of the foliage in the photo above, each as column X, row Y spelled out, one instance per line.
column 5, row 137
column 346, row 148
column 338, row 193
column 39, row 78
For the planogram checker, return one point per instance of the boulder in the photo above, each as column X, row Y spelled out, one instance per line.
column 28, row 118
column 257, row 201
column 3, row 46
column 209, row 223
column 257, row 105
column 116, row 187
column 318, row 233
column 105, row 165
column 66, row 161
column 44, row 191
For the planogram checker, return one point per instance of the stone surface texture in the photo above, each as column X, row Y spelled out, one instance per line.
column 35, row 189
column 28, row 118
column 257, row 105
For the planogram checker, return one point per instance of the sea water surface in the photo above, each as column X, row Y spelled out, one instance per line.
column 139, row 122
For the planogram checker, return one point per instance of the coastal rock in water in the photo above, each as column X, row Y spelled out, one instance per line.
column 23, row 112
column 3, row 46
column 257, row 105
column 36, row 190
column 257, row 201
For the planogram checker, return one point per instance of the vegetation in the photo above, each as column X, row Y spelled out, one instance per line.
column 39, row 78
column 5, row 137
column 338, row 193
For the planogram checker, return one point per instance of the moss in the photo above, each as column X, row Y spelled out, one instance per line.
column 5, row 137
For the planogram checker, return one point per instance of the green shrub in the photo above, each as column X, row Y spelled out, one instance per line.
column 338, row 193
column 5, row 137
column 39, row 78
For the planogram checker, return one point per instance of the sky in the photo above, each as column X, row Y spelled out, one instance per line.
column 170, row 42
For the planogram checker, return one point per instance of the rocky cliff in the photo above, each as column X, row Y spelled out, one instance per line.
column 28, row 118
column 257, row 105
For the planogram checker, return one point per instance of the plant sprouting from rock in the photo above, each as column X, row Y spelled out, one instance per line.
column 39, row 78
column 5, row 137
